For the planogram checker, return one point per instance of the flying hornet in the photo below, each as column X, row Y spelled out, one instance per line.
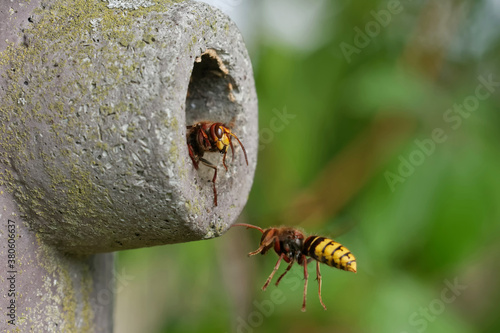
column 292, row 246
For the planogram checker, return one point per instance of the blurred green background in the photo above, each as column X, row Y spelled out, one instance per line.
column 379, row 128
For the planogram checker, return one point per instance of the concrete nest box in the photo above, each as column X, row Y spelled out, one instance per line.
column 97, row 98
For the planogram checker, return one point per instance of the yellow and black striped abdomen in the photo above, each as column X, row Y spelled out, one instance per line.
column 330, row 252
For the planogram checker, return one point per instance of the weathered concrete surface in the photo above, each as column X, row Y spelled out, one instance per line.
column 94, row 105
column 44, row 290
column 94, row 114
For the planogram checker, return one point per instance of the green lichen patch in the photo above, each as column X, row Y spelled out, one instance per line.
column 66, row 283
column 75, row 55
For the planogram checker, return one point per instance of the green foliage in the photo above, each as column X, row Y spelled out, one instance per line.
column 414, row 237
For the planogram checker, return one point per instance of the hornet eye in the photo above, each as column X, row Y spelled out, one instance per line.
column 218, row 132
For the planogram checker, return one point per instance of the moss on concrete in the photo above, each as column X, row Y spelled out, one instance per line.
column 67, row 286
column 37, row 68
column 94, row 124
